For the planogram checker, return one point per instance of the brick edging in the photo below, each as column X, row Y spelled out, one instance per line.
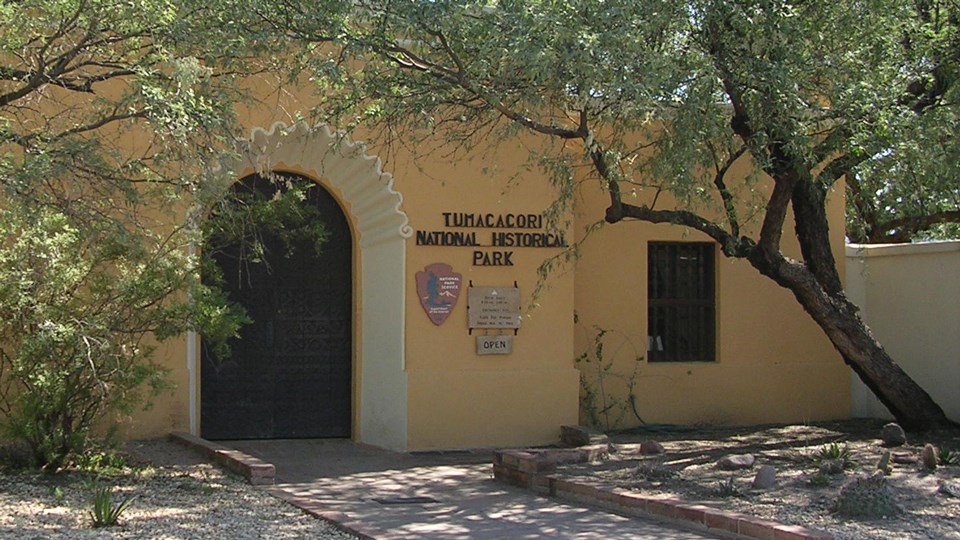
column 255, row 470
column 319, row 510
column 262, row 473
column 530, row 469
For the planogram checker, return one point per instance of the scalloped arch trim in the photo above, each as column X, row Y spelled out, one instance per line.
column 381, row 227
column 359, row 178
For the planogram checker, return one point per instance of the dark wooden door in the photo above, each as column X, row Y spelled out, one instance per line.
column 289, row 373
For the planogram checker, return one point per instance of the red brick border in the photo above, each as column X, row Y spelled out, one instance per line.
column 337, row 519
column 256, row 471
column 531, row 468
column 261, row 473
column 528, row 468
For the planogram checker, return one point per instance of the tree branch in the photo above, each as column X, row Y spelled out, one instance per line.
column 407, row 59
column 729, row 205
column 461, row 70
column 813, row 233
column 840, row 167
column 731, row 245
column 771, row 230
column 902, row 229
column 30, row 86
column 52, row 71
column 108, row 119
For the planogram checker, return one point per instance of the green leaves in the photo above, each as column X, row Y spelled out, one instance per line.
column 103, row 512
column 75, row 313
column 113, row 120
column 661, row 89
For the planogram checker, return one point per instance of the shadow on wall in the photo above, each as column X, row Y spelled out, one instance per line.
column 909, row 295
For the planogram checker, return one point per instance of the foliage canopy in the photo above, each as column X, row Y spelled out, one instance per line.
column 861, row 92
column 113, row 119
column 653, row 97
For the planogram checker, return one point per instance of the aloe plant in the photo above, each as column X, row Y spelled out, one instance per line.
column 104, row 512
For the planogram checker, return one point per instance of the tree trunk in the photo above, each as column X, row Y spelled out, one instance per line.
column 910, row 404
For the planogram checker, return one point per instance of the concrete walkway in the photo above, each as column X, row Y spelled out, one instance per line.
column 387, row 495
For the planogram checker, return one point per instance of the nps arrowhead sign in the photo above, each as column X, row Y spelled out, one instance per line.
column 438, row 288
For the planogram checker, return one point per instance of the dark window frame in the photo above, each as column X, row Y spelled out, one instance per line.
column 681, row 302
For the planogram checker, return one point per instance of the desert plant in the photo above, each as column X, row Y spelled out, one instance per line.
column 949, row 488
column 883, row 464
column 728, row 488
column 104, row 512
column 655, row 470
column 947, row 456
column 868, row 497
column 833, row 452
column 601, row 408
column 101, row 462
column 929, row 457
column 79, row 309
column 819, row 480
column 832, row 466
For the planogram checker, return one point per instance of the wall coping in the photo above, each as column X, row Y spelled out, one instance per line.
column 890, row 250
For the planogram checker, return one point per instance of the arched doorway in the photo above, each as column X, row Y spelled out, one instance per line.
column 289, row 375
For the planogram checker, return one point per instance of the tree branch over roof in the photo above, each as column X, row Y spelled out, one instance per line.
column 407, row 59
column 903, row 229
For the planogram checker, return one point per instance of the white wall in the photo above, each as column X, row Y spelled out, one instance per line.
column 909, row 295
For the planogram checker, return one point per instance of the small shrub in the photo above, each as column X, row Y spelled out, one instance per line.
column 832, row 466
column 601, row 408
column 819, row 480
column 947, row 456
column 728, row 488
column 15, row 456
column 101, row 462
column 867, row 497
column 82, row 300
column 655, row 470
column 104, row 512
column 833, row 452
column 57, row 493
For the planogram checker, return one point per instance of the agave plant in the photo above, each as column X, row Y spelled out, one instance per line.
column 104, row 512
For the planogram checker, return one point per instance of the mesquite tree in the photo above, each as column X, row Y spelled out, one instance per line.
column 113, row 116
column 656, row 97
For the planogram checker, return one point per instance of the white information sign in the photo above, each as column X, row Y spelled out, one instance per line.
column 493, row 307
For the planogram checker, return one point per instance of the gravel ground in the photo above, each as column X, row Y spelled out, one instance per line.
column 177, row 497
column 688, row 471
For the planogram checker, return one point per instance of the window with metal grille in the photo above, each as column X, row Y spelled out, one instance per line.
column 681, row 303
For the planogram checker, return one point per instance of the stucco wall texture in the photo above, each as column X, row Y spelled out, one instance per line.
column 909, row 295
column 421, row 386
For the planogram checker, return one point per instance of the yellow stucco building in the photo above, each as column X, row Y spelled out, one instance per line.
column 466, row 355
